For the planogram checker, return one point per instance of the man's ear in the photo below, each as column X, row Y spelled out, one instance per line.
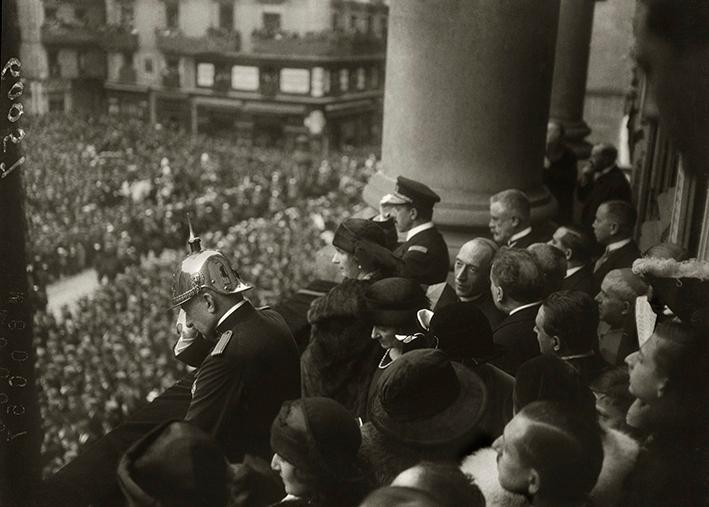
column 662, row 387
column 568, row 253
column 556, row 343
column 210, row 302
column 413, row 213
column 533, row 482
column 627, row 306
column 499, row 294
column 614, row 227
column 515, row 221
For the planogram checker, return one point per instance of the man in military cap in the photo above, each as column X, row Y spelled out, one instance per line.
column 425, row 252
column 253, row 366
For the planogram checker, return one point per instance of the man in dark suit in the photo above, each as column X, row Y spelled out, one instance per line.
column 517, row 287
column 424, row 252
column 510, row 224
column 613, row 228
column 577, row 247
column 601, row 181
column 253, row 366
column 472, row 277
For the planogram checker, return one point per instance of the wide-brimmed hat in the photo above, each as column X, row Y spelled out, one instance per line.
column 393, row 302
column 318, row 436
column 682, row 286
column 423, row 399
column 463, row 333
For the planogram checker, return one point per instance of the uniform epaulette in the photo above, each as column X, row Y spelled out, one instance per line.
column 417, row 248
column 222, row 343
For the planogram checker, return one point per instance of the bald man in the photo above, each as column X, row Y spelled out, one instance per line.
column 472, row 277
column 616, row 311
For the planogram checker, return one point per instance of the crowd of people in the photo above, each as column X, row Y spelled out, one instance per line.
column 260, row 217
column 558, row 366
column 105, row 191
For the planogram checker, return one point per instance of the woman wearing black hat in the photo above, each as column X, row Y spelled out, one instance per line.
column 465, row 336
column 392, row 306
column 340, row 359
column 315, row 443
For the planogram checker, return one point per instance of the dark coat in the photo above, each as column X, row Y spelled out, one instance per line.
column 499, row 410
column 239, row 388
column 589, row 367
column 486, row 305
column 516, row 334
column 341, row 357
column 560, row 179
column 582, row 280
column 617, row 259
column 425, row 257
column 609, row 187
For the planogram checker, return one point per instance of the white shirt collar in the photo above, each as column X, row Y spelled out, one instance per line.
column 231, row 310
column 571, row 271
column 519, row 308
column 519, row 235
column 419, row 228
column 618, row 244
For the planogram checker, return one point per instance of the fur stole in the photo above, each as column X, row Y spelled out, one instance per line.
column 619, row 454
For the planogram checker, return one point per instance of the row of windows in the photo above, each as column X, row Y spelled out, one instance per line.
column 316, row 82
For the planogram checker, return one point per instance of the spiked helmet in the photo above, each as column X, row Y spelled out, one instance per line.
column 204, row 269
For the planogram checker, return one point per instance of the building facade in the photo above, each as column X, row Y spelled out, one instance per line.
column 260, row 70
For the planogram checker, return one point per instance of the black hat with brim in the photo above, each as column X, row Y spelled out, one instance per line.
column 425, row 400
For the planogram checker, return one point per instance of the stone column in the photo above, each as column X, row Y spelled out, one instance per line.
column 573, row 47
column 466, row 105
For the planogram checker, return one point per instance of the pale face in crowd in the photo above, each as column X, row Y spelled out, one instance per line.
column 557, row 241
column 503, row 224
column 403, row 216
column 547, row 344
column 287, row 471
column 604, row 227
column 346, row 263
column 386, row 336
column 513, row 474
column 608, row 413
column 472, row 270
column 647, row 383
column 612, row 309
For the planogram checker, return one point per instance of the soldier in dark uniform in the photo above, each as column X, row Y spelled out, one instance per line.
column 424, row 252
column 253, row 366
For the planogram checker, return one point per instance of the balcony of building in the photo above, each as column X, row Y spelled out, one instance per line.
column 171, row 78
column 128, row 75
column 118, row 38
column 325, row 43
column 63, row 33
column 216, row 40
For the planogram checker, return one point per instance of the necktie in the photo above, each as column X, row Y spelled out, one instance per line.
column 603, row 258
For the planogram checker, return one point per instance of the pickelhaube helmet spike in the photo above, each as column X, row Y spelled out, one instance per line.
column 204, row 269
column 194, row 242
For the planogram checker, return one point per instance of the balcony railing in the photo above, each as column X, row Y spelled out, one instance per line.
column 214, row 41
column 118, row 38
column 327, row 43
column 59, row 33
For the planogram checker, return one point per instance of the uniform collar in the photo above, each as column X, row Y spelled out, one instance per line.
column 230, row 315
column 521, row 234
column 419, row 228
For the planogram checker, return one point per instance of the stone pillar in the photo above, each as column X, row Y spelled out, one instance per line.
column 573, row 47
column 466, row 105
